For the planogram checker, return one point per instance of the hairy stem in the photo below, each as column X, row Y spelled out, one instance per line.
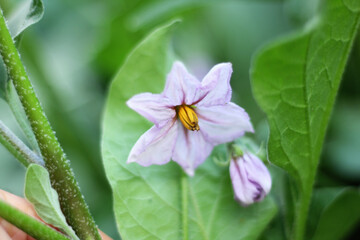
column 30, row 225
column 17, row 148
column 62, row 178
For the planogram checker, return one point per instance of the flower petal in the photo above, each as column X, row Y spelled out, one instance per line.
column 258, row 172
column 181, row 87
column 250, row 179
column 154, row 107
column 191, row 149
column 223, row 123
column 216, row 85
column 155, row 146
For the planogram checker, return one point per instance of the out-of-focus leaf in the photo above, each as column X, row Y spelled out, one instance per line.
column 39, row 192
column 3, row 78
column 333, row 212
column 342, row 148
column 28, row 13
column 159, row 202
column 154, row 12
column 295, row 82
column 20, row 116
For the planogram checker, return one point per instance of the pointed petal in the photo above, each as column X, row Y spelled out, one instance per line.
column 181, row 87
column 191, row 149
column 154, row 107
column 155, row 146
column 223, row 123
column 216, row 85
column 250, row 179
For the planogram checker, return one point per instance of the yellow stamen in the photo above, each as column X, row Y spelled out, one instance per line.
column 188, row 117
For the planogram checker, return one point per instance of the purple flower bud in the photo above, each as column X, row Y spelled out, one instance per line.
column 250, row 178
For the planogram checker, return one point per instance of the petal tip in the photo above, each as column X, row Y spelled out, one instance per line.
column 190, row 172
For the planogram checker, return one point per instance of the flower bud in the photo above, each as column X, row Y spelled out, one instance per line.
column 250, row 178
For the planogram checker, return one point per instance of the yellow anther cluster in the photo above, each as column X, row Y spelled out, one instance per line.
column 188, row 117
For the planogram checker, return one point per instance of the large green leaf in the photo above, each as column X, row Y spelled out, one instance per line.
column 39, row 192
column 331, row 206
column 160, row 202
column 295, row 81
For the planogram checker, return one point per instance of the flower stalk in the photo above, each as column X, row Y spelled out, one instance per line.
column 62, row 178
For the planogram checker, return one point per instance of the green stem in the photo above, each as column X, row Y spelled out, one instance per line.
column 300, row 218
column 185, row 198
column 30, row 225
column 17, row 148
column 62, row 178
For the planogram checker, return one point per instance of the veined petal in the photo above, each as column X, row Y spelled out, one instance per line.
column 154, row 107
column 181, row 87
column 223, row 123
column 155, row 146
column 191, row 149
column 258, row 172
column 216, row 85
column 250, row 179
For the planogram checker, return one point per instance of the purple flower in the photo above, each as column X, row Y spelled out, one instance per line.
column 250, row 179
column 190, row 118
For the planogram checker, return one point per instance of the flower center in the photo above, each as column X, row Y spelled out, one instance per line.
column 188, row 117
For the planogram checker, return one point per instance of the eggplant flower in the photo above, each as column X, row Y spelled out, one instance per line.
column 250, row 178
column 190, row 118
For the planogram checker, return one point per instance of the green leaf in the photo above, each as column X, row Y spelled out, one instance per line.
column 39, row 192
column 295, row 81
column 160, row 202
column 26, row 14
column 331, row 206
column 20, row 116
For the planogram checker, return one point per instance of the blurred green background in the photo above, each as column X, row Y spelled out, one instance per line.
column 73, row 52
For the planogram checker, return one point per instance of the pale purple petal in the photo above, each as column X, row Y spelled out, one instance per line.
column 250, row 179
column 258, row 172
column 216, row 85
column 155, row 146
column 223, row 123
column 191, row 149
column 154, row 107
column 181, row 87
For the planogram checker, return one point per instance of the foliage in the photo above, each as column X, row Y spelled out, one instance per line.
column 45, row 199
column 296, row 81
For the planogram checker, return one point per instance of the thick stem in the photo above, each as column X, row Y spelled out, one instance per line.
column 62, row 178
column 17, row 148
column 31, row 226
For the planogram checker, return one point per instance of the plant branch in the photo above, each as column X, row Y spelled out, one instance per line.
column 30, row 225
column 62, row 178
column 17, row 148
